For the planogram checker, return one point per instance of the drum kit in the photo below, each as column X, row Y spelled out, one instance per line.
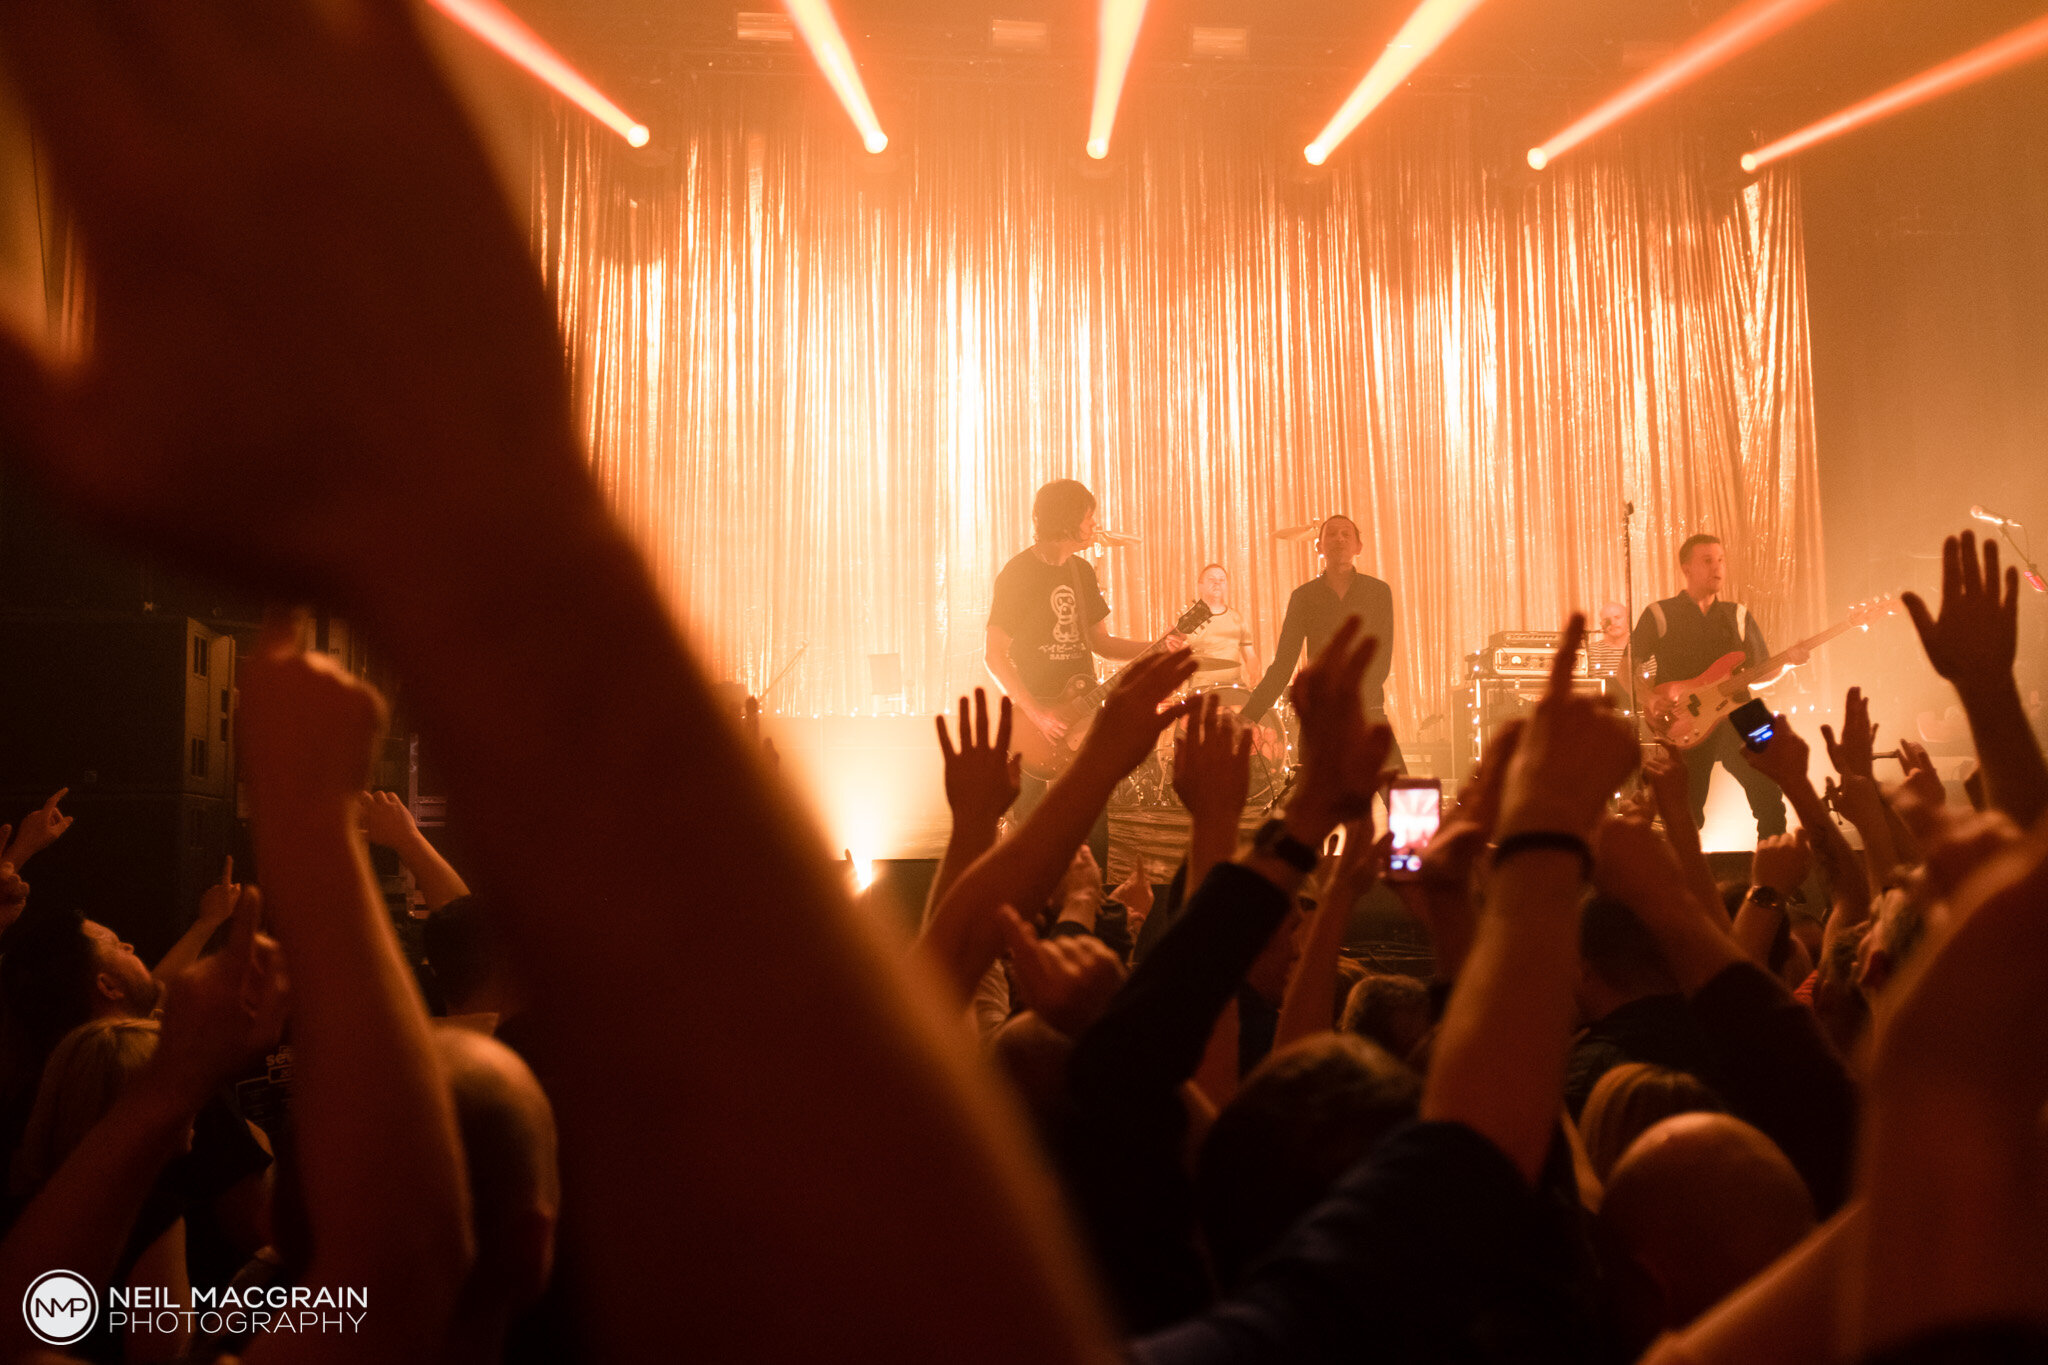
column 1274, row 737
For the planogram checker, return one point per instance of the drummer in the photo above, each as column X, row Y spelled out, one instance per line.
column 1223, row 651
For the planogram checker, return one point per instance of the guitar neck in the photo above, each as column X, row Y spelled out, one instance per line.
column 1092, row 698
column 1784, row 656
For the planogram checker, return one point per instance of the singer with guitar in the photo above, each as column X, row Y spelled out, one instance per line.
column 1048, row 622
column 1685, row 635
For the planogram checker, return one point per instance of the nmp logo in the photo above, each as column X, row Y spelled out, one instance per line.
column 60, row 1307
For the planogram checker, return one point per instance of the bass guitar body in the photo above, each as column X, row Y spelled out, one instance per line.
column 1684, row 714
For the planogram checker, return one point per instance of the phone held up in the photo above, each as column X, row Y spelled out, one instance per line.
column 1415, row 807
column 1754, row 722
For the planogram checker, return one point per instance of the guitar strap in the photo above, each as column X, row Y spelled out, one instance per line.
column 1742, row 623
column 1657, row 610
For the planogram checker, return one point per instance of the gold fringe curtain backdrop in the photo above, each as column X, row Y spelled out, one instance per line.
column 821, row 388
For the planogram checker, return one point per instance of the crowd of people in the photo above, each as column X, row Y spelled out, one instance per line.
column 685, row 1102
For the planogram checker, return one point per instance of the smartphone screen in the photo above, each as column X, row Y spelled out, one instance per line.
column 1754, row 722
column 1414, row 809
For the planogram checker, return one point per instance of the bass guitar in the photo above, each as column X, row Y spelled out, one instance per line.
column 1684, row 714
column 1078, row 704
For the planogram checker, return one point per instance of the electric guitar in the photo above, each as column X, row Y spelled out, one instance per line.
column 1078, row 704
column 1685, row 713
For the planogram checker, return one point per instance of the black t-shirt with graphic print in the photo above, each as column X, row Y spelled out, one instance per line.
column 1047, row 612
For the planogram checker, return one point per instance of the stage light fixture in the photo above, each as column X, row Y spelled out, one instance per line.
column 500, row 28
column 1118, row 39
column 2023, row 44
column 821, row 34
column 1736, row 32
column 1424, row 32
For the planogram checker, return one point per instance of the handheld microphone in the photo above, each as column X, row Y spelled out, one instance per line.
column 1980, row 514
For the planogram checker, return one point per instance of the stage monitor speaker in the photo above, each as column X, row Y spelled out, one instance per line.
column 117, row 705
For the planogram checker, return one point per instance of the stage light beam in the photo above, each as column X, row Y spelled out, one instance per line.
column 499, row 28
column 2001, row 54
column 1423, row 33
column 820, row 30
column 1717, row 44
column 1118, row 39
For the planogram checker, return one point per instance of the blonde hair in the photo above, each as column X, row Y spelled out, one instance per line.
column 85, row 1074
column 1631, row 1099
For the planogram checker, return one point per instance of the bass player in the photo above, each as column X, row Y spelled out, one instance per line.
column 1681, row 637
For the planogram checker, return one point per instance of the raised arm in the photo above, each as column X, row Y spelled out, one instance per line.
column 982, row 781
column 390, row 306
column 1664, row 774
column 216, row 904
column 388, row 823
column 40, row 828
column 1498, row 1067
column 1972, row 643
column 1212, row 776
column 965, row 932
column 1310, row 1004
column 380, row 1162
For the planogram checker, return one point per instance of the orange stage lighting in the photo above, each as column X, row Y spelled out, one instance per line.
column 504, row 30
column 2000, row 54
column 1736, row 33
column 1121, row 20
column 828, row 45
column 1425, row 31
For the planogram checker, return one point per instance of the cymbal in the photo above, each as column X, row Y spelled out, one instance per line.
column 1203, row 664
column 1112, row 540
column 1307, row 528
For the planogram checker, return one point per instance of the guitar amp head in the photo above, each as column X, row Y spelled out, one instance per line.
column 1529, row 661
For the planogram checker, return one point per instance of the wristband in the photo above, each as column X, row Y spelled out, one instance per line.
column 1546, row 841
column 1274, row 841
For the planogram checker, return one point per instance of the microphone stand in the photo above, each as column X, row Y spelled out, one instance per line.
column 2033, row 574
column 1628, row 593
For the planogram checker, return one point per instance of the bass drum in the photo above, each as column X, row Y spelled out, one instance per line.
column 1272, row 740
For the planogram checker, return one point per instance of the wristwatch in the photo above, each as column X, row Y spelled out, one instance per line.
column 1274, row 840
column 1769, row 897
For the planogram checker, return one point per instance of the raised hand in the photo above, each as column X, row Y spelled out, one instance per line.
column 982, row 775
column 307, row 728
column 1922, row 780
column 1574, row 755
column 223, row 1010
column 1782, row 861
column 13, row 894
column 1784, row 757
column 40, row 828
column 1069, row 981
column 1342, row 754
column 1212, row 761
column 1134, row 894
column 1973, row 641
column 386, row 820
column 1851, row 755
column 1131, row 720
column 218, row 901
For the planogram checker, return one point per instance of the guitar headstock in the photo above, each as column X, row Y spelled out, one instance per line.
column 1194, row 618
column 1864, row 614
